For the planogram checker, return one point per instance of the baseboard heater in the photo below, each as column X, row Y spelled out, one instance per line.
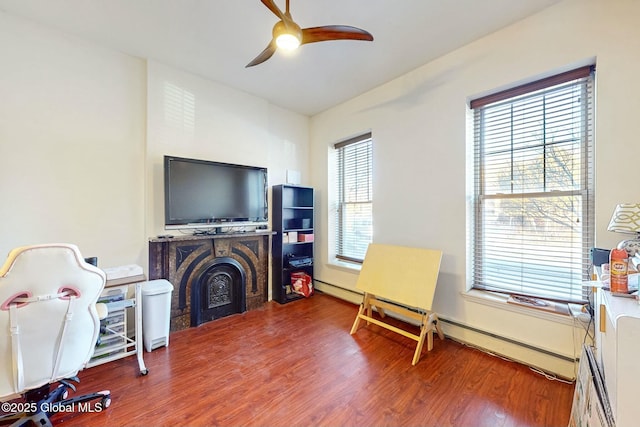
column 476, row 330
column 509, row 340
column 338, row 287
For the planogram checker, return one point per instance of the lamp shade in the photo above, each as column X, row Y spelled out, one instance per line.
column 625, row 219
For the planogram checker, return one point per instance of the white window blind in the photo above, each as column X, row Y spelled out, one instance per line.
column 533, row 211
column 354, row 222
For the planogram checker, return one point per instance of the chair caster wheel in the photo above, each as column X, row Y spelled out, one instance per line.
column 145, row 372
column 105, row 402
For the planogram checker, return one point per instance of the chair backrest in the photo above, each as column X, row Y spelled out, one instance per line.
column 48, row 319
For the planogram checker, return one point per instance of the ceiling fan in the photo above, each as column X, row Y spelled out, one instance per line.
column 288, row 35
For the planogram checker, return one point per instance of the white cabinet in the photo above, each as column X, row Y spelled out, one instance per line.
column 618, row 354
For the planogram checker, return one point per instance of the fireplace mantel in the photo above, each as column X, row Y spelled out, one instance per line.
column 180, row 260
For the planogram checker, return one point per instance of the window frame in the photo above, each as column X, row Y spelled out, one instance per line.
column 344, row 235
column 584, row 76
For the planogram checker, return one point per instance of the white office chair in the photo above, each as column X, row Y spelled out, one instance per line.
column 49, row 326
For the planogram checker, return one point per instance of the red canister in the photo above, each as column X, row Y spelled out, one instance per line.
column 618, row 265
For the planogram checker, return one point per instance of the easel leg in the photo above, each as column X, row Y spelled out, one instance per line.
column 428, row 322
column 368, row 298
column 439, row 330
column 365, row 306
column 356, row 323
column 425, row 331
column 433, row 323
column 433, row 319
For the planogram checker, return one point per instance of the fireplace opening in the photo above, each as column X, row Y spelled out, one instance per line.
column 218, row 290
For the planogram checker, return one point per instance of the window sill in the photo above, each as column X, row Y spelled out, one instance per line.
column 500, row 301
column 350, row 267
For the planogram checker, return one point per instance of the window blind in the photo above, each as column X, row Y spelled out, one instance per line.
column 533, row 206
column 354, row 213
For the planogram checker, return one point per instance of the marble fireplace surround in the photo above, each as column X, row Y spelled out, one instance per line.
column 182, row 259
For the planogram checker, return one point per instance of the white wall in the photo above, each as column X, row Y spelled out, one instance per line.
column 72, row 123
column 189, row 116
column 83, row 130
column 419, row 124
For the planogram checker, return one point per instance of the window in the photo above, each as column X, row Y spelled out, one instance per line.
column 354, row 223
column 533, row 205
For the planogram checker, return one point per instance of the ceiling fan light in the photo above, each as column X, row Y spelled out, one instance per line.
column 287, row 36
column 287, row 41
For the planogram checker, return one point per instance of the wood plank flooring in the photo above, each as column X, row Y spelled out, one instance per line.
column 297, row 365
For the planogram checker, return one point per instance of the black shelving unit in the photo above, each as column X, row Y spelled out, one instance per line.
column 292, row 244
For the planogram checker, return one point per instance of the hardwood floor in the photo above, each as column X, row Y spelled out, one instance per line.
column 297, row 365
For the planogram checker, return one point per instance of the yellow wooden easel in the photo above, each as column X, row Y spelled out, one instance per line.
column 396, row 277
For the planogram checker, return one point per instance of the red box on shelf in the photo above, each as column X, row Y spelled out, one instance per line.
column 301, row 283
column 305, row 237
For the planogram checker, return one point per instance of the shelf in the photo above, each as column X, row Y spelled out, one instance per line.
column 114, row 341
column 125, row 280
column 302, row 267
column 289, row 295
column 293, row 212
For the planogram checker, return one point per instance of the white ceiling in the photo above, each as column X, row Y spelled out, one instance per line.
column 215, row 39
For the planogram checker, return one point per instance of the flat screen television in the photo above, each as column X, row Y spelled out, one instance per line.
column 204, row 194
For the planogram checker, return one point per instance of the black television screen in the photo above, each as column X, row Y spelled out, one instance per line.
column 202, row 193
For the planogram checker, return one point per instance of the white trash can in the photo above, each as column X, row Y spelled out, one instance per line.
column 156, row 313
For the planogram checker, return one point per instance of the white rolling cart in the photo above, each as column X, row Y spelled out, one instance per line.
column 114, row 340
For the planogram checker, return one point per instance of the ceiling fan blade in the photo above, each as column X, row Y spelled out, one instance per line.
column 334, row 32
column 264, row 55
column 275, row 9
